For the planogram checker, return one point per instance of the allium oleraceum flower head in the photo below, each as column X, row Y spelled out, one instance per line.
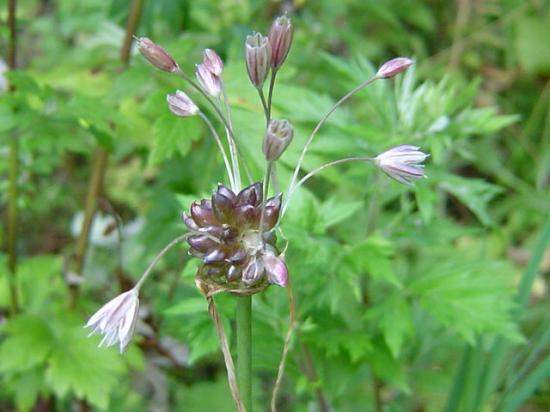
column 229, row 241
column 116, row 320
column 402, row 163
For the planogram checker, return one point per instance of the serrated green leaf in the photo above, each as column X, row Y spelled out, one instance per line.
column 29, row 343
column 172, row 135
column 474, row 193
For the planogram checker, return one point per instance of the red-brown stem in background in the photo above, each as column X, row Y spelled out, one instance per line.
column 101, row 157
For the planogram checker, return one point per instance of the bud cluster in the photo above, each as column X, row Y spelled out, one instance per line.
column 229, row 241
column 264, row 53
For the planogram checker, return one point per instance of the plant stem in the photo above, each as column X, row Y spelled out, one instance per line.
column 133, row 21
column 264, row 105
column 265, row 190
column 270, row 94
column 321, row 123
column 232, row 181
column 13, row 169
column 244, row 349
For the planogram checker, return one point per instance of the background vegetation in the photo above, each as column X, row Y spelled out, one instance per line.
column 432, row 298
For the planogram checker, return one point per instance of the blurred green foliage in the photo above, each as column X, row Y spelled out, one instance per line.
column 407, row 298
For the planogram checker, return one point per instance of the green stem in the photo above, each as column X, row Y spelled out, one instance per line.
column 244, row 349
column 270, row 94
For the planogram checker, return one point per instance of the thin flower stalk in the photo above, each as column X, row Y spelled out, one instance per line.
column 319, row 125
column 232, row 181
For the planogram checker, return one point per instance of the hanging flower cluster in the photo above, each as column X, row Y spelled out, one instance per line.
column 233, row 233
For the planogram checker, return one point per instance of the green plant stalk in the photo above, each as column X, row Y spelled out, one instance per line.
column 244, row 349
column 13, row 169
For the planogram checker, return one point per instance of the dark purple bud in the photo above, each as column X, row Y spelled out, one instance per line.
column 393, row 67
column 209, row 82
column 195, row 253
column 233, row 273
column 276, row 270
column 246, row 216
column 280, row 38
column 189, row 222
column 202, row 214
column 212, row 271
column 253, row 272
column 201, row 243
column 216, row 231
column 237, row 256
column 271, row 216
column 181, row 105
column 275, row 201
column 258, row 58
column 224, row 190
column 223, row 207
column 217, row 255
column 156, row 55
column 278, row 136
column 251, row 195
column 212, row 62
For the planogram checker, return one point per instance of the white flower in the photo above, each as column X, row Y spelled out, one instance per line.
column 402, row 163
column 116, row 320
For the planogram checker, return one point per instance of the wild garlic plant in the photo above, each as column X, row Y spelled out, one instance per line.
column 234, row 233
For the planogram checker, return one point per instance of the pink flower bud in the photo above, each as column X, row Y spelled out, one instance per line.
column 402, row 163
column 212, row 62
column 209, row 82
column 156, row 55
column 280, row 38
column 278, row 136
column 258, row 58
column 276, row 270
column 393, row 67
column 181, row 105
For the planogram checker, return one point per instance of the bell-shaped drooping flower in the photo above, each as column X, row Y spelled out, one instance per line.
column 181, row 105
column 402, row 163
column 212, row 62
column 393, row 67
column 116, row 320
column 278, row 136
column 280, row 38
column 156, row 55
column 275, row 269
column 258, row 58
column 209, row 82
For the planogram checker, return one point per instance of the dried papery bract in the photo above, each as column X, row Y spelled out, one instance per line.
column 212, row 62
column 278, row 136
column 402, row 163
column 209, row 82
column 280, row 38
column 116, row 320
column 156, row 55
column 393, row 67
column 258, row 58
column 181, row 105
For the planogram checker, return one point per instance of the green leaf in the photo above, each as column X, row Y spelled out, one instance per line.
column 172, row 135
column 532, row 43
column 474, row 193
column 334, row 211
column 469, row 297
column 187, row 307
column 396, row 322
column 30, row 341
column 373, row 256
column 76, row 366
